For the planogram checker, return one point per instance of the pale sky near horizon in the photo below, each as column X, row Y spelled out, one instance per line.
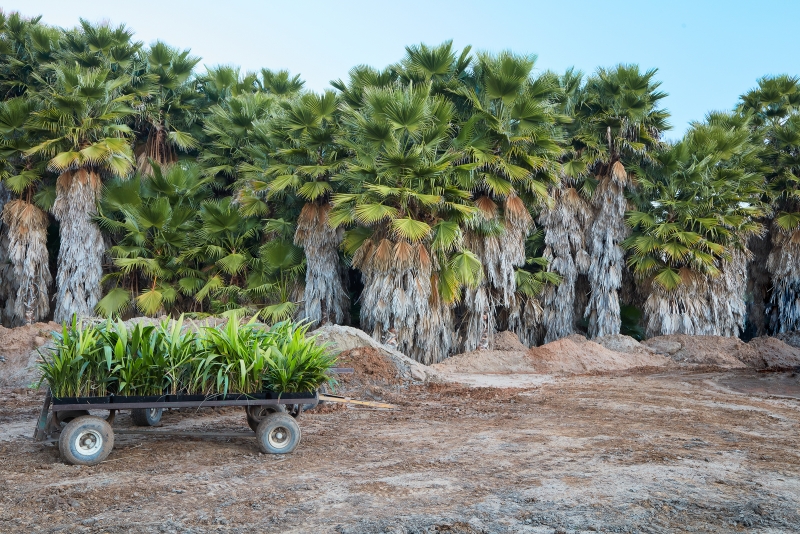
column 707, row 52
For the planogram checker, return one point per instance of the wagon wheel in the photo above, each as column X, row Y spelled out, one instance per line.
column 86, row 440
column 146, row 416
column 64, row 417
column 256, row 414
column 278, row 434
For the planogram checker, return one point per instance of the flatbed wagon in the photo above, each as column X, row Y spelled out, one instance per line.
column 85, row 439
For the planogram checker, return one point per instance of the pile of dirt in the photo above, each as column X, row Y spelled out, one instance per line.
column 770, row 353
column 572, row 355
column 370, row 364
column 703, row 350
column 19, row 349
column 508, row 341
column 576, row 355
column 487, row 362
column 790, row 338
column 346, row 338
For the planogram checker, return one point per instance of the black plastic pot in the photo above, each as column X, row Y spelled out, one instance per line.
column 186, row 398
column 298, row 395
column 138, row 398
column 82, row 400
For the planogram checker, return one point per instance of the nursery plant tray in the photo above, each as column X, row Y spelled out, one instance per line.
column 165, row 402
column 82, row 401
column 117, row 399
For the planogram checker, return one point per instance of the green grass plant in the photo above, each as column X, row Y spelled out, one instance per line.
column 77, row 366
column 154, row 360
column 297, row 362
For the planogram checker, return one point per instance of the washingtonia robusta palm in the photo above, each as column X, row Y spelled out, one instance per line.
column 81, row 119
column 304, row 155
column 699, row 203
column 404, row 212
column 169, row 115
column 151, row 220
column 775, row 107
column 617, row 123
column 510, row 140
column 25, row 278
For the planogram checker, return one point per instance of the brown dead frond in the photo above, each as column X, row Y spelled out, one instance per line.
column 487, row 206
column 404, row 254
column 383, row 254
column 618, row 174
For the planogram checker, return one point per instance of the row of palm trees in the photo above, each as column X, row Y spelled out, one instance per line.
column 433, row 202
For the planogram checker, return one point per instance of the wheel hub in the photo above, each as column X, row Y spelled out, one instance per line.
column 88, row 442
column 279, row 437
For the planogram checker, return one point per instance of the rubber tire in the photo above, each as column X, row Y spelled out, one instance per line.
column 253, row 422
column 66, row 442
column 273, row 422
column 65, row 417
column 144, row 417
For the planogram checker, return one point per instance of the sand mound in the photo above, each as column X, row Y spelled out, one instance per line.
column 370, row 364
column 571, row 355
column 790, row 338
column 18, row 346
column 346, row 338
column 704, row 350
column 576, row 354
column 770, row 353
column 508, row 341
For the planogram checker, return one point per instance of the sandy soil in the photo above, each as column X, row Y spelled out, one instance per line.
column 668, row 452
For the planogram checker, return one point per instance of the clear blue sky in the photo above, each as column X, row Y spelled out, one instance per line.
column 707, row 52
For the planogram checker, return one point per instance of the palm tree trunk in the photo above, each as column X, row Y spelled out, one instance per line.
column 565, row 249
column 27, row 255
column 701, row 305
column 607, row 257
column 7, row 279
column 80, row 255
column 784, row 266
column 325, row 298
column 526, row 319
column 726, row 296
column 500, row 256
column 683, row 310
column 400, row 301
column 758, row 285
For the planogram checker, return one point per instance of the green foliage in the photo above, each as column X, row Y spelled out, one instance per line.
column 699, row 199
column 113, row 358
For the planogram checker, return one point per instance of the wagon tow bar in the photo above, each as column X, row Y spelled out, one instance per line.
column 327, row 397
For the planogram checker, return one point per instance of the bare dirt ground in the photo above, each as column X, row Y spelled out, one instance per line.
column 669, row 451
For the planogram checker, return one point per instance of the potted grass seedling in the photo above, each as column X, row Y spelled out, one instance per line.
column 177, row 349
column 231, row 362
column 138, row 367
column 297, row 364
column 75, row 369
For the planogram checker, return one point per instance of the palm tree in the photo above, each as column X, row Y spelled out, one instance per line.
column 565, row 222
column 304, row 155
column 231, row 129
column 151, row 221
column 509, row 135
column 26, row 277
column 280, row 83
column 617, row 124
column 169, row 113
column 81, row 119
column 775, row 107
column 699, row 205
column 405, row 212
